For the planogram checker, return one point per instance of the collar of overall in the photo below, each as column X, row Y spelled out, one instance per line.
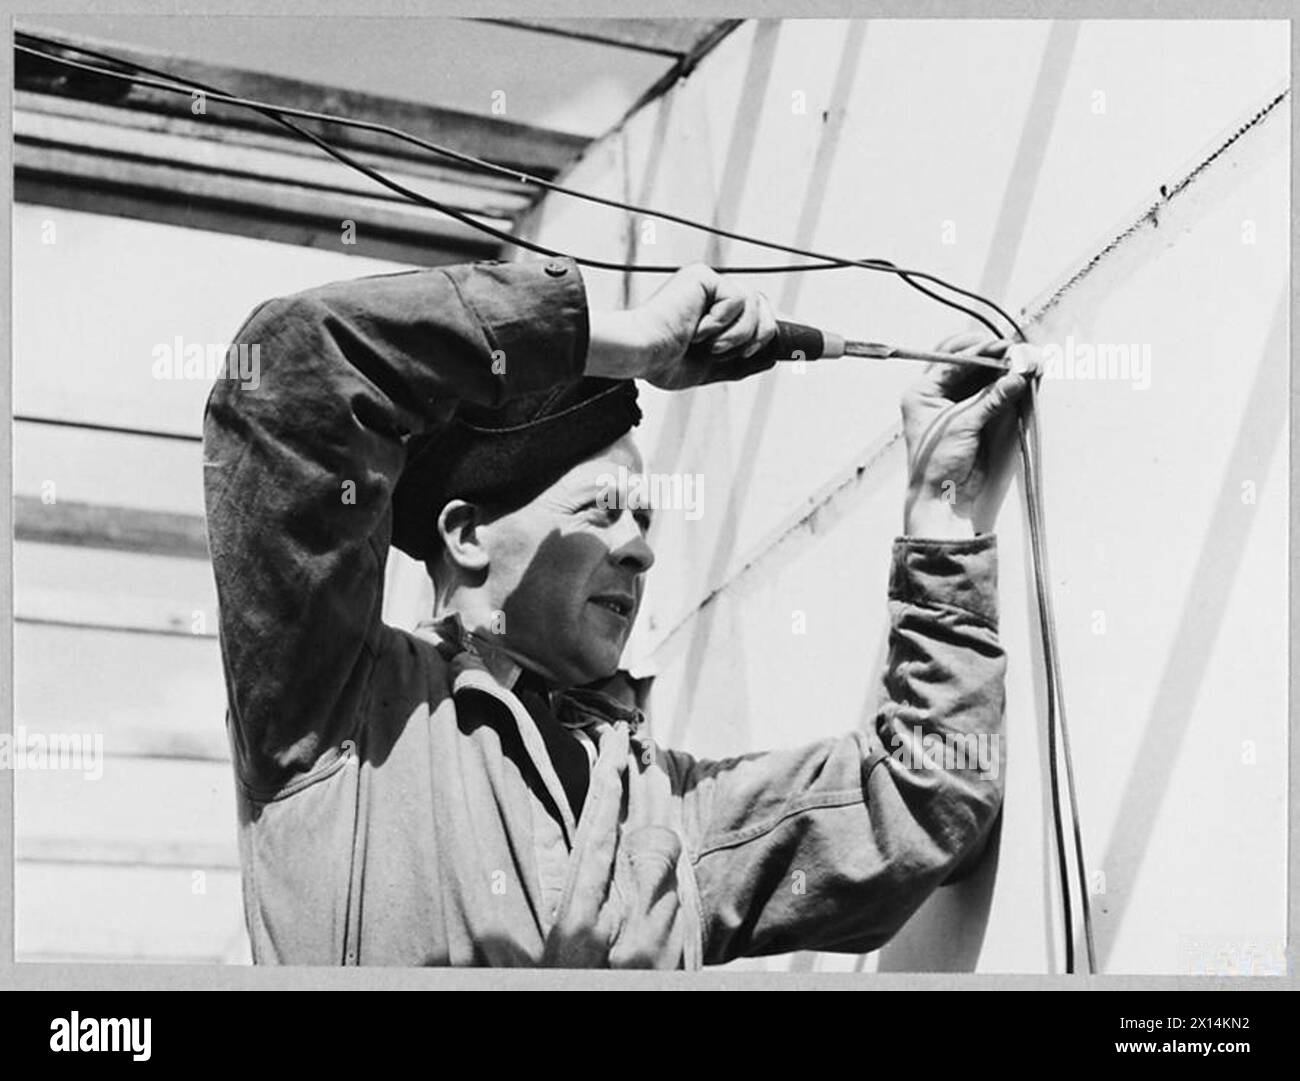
column 574, row 707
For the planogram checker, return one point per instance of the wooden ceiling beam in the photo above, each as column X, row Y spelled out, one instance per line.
column 522, row 146
column 673, row 38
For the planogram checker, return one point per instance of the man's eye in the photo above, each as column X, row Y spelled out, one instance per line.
column 605, row 512
column 608, row 513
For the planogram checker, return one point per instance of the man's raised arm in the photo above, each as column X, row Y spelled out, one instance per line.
column 832, row 846
column 299, row 472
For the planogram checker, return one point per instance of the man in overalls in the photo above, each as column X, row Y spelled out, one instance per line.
column 483, row 790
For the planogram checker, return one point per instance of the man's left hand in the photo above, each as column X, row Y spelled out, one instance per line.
column 959, row 424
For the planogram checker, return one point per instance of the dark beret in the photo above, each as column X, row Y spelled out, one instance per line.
column 506, row 455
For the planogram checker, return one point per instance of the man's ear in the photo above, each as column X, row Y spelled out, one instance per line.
column 459, row 526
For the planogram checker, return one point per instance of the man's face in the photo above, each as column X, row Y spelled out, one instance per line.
column 567, row 571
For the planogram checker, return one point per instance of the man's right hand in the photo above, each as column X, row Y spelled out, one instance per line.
column 700, row 327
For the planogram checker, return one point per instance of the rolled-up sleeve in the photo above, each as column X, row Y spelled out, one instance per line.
column 301, row 460
column 834, row 845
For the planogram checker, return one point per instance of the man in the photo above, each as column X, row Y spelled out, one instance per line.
column 481, row 791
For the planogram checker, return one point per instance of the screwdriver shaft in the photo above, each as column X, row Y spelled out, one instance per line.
column 877, row 351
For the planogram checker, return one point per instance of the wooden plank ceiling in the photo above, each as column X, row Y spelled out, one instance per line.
column 87, row 142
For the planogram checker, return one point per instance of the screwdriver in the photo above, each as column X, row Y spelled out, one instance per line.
column 797, row 341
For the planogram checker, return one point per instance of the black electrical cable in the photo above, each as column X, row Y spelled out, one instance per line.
column 1035, row 538
column 279, row 114
column 1028, row 427
column 1031, row 454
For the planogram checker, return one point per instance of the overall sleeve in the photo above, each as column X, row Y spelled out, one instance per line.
column 300, row 463
column 832, row 846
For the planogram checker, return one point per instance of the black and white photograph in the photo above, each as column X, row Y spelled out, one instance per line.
column 782, row 497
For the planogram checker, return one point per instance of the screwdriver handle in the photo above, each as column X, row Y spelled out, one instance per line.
column 798, row 341
column 792, row 342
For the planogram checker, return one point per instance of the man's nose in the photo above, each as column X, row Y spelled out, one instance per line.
column 633, row 551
